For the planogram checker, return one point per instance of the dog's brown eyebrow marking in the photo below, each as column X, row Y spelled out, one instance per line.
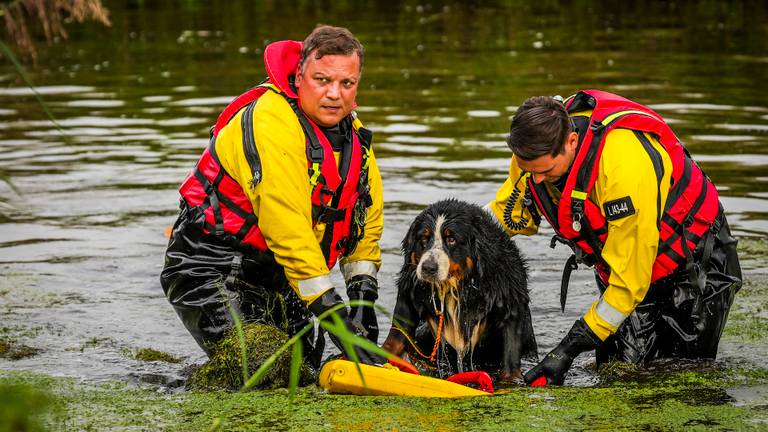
column 456, row 271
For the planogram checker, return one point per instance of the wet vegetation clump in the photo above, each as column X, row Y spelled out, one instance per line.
column 224, row 370
column 149, row 354
column 617, row 371
column 21, row 406
column 10, row 349
column 753, row 248
column 748, row 318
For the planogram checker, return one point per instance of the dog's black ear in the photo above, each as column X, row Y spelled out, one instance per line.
column 408, row 241
column 476, row 247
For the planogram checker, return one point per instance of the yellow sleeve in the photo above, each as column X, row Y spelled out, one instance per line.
column 508, row 206
column 282, row 201
column 626, row 169
column 366, row 258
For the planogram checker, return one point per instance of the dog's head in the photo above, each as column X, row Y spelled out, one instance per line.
column 441, row 244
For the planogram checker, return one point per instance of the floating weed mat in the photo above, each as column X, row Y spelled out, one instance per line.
column 149, row 354
column 10, row 349
column 223, row 371
column 672, row 400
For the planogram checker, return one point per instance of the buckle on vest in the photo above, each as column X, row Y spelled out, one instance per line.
column 597, row 127
column 342, row 243
column 315, row 153
column 328, row 215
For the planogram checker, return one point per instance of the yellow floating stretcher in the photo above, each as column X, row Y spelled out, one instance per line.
column 342, row 376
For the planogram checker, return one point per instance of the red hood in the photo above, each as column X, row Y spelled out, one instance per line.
column 281, row 59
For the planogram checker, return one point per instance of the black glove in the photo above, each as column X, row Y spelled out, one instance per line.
column 555, row 364
column 364, row 287
column 330, row 299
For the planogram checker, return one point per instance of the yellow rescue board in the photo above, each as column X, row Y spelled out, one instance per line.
column 342, row 376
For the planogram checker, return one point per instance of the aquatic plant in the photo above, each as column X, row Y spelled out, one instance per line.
column 149, row 354
column 50, row 16
column 12, row 350
column 223, row 369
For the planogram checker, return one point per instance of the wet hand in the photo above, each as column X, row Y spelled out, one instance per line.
column 555, row 364
column 553, row 368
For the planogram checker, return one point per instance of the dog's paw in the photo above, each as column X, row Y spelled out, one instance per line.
column 514, row 377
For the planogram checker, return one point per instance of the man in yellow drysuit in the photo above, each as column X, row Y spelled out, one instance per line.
column 619, row 188
column 287, row 187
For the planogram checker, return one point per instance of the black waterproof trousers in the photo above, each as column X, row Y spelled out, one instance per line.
column 206, row 278
column 677, row 319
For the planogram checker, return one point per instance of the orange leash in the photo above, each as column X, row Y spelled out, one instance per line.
column 432, row 356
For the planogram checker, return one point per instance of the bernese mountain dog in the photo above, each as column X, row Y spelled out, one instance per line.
column 462, row 299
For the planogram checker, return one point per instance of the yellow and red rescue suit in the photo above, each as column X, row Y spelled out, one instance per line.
column 272, row 204
column 630, row 197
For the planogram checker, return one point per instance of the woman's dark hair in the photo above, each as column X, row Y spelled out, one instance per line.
column 539, row 128
column 328, row 40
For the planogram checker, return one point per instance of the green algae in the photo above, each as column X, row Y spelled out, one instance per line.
column 680, row 400
column 94, row 342
column 617, row 371
column 748, row 319
column 224, row 369
column 753, row 248
column 11, row 349
column 22, row 407
column 149, row 354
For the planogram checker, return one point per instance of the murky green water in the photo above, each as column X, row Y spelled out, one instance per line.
column 81, row 244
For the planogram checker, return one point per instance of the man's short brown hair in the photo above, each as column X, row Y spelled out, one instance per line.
column 539, row 127
column 328, row 40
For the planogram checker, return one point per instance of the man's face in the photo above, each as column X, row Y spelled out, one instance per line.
column 328, row 87
column 548, row 168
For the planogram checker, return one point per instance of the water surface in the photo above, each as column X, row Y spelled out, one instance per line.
column 81, row 231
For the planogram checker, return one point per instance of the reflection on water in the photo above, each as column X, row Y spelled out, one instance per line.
column 81, row 227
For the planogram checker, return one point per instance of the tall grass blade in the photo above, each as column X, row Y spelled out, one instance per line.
column 239, row 330
column 297, row 357
column 241, row 339
column 347, row 340
column 216, row 426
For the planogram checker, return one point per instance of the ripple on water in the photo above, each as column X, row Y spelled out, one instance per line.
column 44, row 90
column 193, row 102
column 742, row 127
column 400, row 128
column 94, row 103
column 741, row 159
column 724, row 138
column 159, row 98
column 483, row 113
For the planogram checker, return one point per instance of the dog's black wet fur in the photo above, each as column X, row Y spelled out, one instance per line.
column 459, row 260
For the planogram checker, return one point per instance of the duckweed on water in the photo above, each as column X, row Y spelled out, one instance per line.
column 677, row 401
column 753, row 248
column 149, row 354
column 695, row 396
column 748, row 319
column 10, row 349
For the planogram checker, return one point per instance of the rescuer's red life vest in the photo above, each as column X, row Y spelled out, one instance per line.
column 692, row 203
column 339, row 196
